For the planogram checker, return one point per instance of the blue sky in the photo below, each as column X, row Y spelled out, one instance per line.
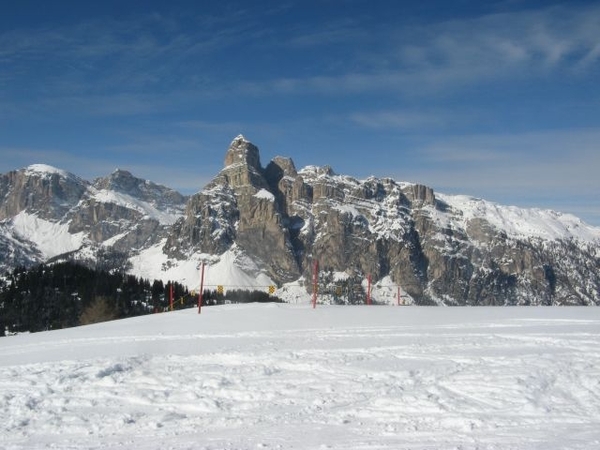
column 496, row 99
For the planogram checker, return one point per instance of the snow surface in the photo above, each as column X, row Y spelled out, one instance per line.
column 264, row 194
column 290, row 377
column 236, row 270
column 233, row 269
column 45, row 169
column 145, row 208
column 51, row 238
column 520, row 222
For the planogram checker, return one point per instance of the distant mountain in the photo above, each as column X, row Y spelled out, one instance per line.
column 260, row 226
column 46, row 213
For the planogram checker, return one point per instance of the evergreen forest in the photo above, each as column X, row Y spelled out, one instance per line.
column 68, row 294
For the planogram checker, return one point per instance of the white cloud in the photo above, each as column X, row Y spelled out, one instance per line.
column 550, row 169
column 126, row 59
column 400, row 119
column 427, row 59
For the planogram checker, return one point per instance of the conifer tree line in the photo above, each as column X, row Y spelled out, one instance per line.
column 68, row 294
column 213, row 297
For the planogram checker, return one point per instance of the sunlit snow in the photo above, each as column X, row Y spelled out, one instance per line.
column 51, row 238
column 145, row 208
column 264, row 194
column 45, row 169
column 519, row 222
column 232, row 269
column 293, row 377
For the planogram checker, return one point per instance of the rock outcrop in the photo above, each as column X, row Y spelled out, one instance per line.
column 285, row 219
column 119, row 212
column 439, row 249
column 42, row 190
column 238, row 207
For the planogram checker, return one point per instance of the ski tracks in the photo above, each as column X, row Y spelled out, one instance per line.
column 351, row 388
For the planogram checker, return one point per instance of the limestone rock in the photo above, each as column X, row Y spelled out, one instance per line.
column 438, row 250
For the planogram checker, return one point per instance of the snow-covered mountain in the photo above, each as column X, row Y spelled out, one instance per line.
column 47, row 213
column 256, row 226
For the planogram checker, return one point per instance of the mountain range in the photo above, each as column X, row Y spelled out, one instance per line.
column 255, row 227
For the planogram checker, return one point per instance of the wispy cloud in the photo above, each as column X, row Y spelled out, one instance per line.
column 342, row 31
column 426, row 59
column 169, row 56
column 109, row 55
column 553, row 169
column 408, row 119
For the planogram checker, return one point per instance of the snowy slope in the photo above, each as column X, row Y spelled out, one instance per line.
column 51, row 238
column 518, row 222
column 164, row 217
column 45, row 170
column 232, row 269
column 290, row 377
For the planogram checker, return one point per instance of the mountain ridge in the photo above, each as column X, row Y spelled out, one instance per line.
column 270, row 223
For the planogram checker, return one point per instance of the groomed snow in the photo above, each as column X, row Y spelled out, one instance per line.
column 290, row 377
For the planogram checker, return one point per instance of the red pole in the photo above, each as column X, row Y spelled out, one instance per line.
column 369, row 289
column 171, row 295
column 315, row 283
column 201, row 288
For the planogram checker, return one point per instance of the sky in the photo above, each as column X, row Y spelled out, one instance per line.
column 498, row 99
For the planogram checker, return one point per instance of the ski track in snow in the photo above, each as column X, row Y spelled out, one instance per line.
column 289, row 377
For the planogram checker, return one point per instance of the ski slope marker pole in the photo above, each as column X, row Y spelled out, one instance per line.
column 201, row 288
column 171, row 295
column 315, row 283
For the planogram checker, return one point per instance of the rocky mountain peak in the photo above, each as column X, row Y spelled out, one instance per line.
column 120, row 180
column 39, row 189
column 243, row 171
column 242, row 151
column 279, row 168
column 124, row 182
column 285, row 165
column 45, row 170
column 439, row 249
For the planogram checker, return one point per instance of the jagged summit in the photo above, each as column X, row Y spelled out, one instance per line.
column 124, row 182
column 284, row 167
column 119, row 179
column 39, row 189
column 239, row 138
column 242, row 151
column 121, row 172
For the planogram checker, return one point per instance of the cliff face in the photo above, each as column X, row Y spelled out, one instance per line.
column 237, row 207
column 46, row 212
column 42, row 190
column 278, row 220
column 285, row 219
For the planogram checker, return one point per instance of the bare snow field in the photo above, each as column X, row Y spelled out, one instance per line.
column 289, row 377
